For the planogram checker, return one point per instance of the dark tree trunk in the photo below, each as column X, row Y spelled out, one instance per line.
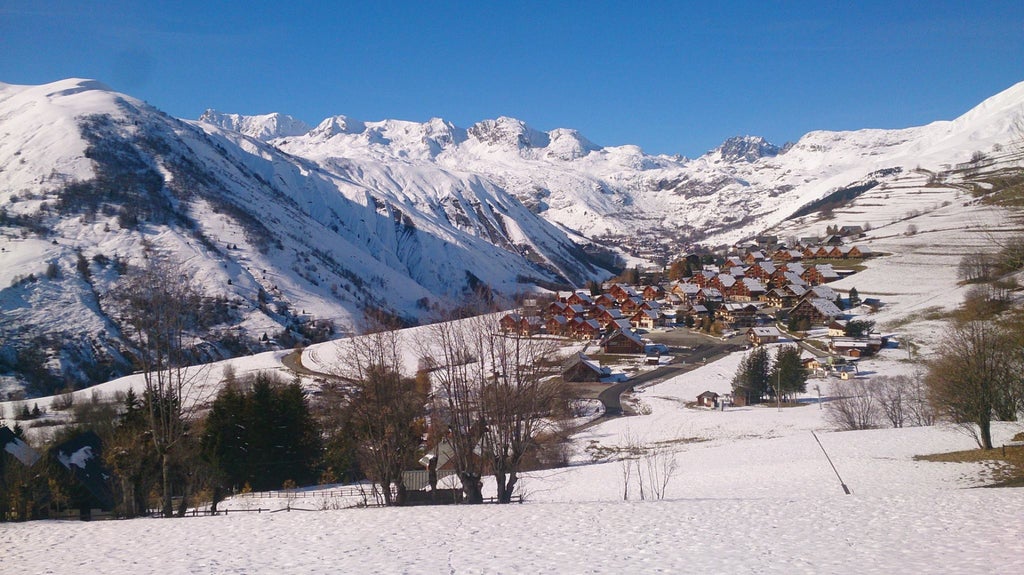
column 472, row 487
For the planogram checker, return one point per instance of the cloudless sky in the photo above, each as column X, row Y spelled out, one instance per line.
column 672, row 77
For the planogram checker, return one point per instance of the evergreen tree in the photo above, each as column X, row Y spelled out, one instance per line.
column 788, row 373
column 854, row 297
column 752, row 377
column 262, row 436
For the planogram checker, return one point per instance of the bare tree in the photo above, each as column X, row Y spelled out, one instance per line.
column 518, row 402
column 974, row 378
column 495, row 396
column 855, row 407
column 387, row 410
column 453, row 351
column 160, row 313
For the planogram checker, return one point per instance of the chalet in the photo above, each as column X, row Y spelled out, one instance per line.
column 855, row 231
column 622, row 292
column 586, row 329
column 530, row 325
column 836, row 252
column 605, row 300
column 762, row 271
column 788, row 255
column 582, row 368
column 810, row 240
column 622, row 342
column 703, row 278
column 609, row 316
column 686, row 290
column 724, row 283
column 856, row 346
column 580, row 298
column 825, row 292
column 631, row 305
column 754, row 257
column 557, row 325
column 733, row 261
column 763, row 335
column 792, row 278
column 575, row 310
column 556, row 308
column 645, row 319
column 856, row 252
column 623, row 324
column 738, row 314
column 833, row 240
column 708, row 399
column 819, row 274
column 653, row 292
column 837, row 328
column 509, row 323
column 819, row 311
column 780, row 297
column 709, row 295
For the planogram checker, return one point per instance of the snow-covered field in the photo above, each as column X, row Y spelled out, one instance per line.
column 753, row 494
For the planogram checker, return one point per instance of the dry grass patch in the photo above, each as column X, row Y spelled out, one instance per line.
column 1007, row 462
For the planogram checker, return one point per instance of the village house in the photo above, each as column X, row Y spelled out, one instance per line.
column 509, row 323
column 580, row 298
column 818, row 311
column 581, row 368
column 738, row 314
column 856, row 346
column 645, row 319
column 708, row 399
column 622, row 342
column 837, row 328
column 557, row 325
column 654, row 292
column 530, row 325
column 763, row 335
column 586, row 329
column 622, row 292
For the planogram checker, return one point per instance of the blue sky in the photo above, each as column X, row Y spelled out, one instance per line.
column 671, row 77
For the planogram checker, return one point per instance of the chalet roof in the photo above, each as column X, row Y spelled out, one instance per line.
column 711, row 292
column 622, row 324
column 824, row 292
column 726, row 280
column 794, row 278
column 767, row 331
column 825, row 307
column 626, row 333
column 754, row 285
column 710, row 394
column 590, row 364
column 826, row 271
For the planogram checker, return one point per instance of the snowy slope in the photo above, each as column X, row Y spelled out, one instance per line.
column 93, row 180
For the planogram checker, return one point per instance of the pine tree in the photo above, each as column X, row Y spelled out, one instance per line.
column 751, row 379
column 854, row 297
column 788, row 374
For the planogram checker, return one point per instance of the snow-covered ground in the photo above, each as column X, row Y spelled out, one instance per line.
column 753, row 493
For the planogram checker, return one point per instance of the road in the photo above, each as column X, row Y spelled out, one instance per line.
column 688, row 350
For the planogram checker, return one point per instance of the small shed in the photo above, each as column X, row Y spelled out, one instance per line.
column 708, row 399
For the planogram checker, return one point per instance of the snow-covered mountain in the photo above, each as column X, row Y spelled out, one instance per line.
column 94, row 181
column 281, row 223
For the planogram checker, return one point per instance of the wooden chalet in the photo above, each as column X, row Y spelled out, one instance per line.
column 581, row 368
column 654, row 292
column 530, row 325
column 819, row 311
column 624, row 342
column 645, row 319
column 763, row 335
column 586, row 329
column 622, row 292
column 509, row 323
column 856, row 346
column 737, row 313
column 605, row 300
column 558, row 325
column 708, row 399
column 580, row 298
